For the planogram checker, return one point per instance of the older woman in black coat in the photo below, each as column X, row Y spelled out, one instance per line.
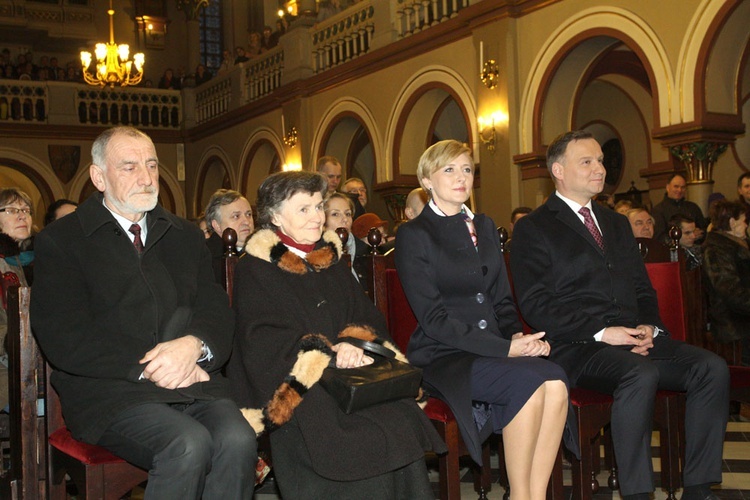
column 726, row 266
column 291, row 284
column 469, row 341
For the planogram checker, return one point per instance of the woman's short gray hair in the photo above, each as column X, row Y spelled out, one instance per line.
column 279, row 187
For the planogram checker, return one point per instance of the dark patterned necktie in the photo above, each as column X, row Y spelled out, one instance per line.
column 137, row 243
column 588, row 221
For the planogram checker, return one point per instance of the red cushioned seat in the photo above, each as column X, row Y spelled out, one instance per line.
column 436, row 409
column 739, row 376
column 667, row 282
column 585, row 397
column 88, row 454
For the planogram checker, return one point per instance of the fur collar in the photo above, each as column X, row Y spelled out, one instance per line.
column 266, row 245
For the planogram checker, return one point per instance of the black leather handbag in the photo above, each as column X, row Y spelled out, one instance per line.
column 386, row 379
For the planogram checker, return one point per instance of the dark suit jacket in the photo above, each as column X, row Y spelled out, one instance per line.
column 462, row 301
column 568, row 287
column 98, row 307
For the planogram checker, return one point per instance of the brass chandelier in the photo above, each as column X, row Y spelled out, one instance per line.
column 113, row 66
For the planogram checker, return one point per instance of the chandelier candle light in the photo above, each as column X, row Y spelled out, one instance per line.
column 113, row 65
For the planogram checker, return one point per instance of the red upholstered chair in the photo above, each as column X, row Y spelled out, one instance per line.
column 388, row 295
column 96, row 472
column 679, row 315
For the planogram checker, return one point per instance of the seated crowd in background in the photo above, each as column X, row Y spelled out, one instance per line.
column 48, row 68
column 317, row 449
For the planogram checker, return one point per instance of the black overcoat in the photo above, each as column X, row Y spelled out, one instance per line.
column 568, row 287
column 97, row 307
column 461, row 298
column 275, row 309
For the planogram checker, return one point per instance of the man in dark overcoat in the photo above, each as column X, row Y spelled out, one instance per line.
column 128, row 313
column 579, row 276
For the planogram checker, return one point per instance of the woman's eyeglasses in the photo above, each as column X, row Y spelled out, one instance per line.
column 15, row 211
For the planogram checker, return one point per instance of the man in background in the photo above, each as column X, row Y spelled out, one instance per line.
column 330, row 167
column 415, row 202
column 641, row 222
column 693, row 252
column 227, row 208
column 674, row 202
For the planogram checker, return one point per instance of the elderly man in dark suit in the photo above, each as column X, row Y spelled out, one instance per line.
column 128, row 313
column 578, row 276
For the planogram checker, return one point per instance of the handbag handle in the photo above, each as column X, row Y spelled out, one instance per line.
column 367, row 346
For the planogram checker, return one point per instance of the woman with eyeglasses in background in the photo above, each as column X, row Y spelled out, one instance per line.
column 15, row 263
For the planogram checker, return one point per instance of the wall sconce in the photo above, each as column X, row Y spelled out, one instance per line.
column 490, row 72
column 487, row 131
column 154, row 30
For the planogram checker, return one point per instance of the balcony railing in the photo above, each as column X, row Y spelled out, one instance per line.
column 148, row 108
column 361, row 28
column 343, row 37
column 25, row 101
column 417, row 15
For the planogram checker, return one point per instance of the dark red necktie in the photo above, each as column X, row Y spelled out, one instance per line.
column 588, row 221
column 137, row 243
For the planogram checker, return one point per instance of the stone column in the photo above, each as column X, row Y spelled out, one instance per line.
column 699, row 159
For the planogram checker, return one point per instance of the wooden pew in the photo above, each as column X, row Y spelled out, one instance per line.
column 28, row 470
column 42, row 449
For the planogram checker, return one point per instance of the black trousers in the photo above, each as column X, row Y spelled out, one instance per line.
column 633, row 381
column 202, row 450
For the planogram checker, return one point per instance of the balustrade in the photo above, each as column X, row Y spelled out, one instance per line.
column 263, row 73
column 343, row 37
column 334, row 41
column 147, row 108
column 417, row 15
column 213, row 98
column 23, row 101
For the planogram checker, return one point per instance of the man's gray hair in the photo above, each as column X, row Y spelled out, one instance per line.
column 99, row 147
column 220, row 198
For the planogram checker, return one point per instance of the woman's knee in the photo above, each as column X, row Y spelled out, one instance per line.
column 556, row 391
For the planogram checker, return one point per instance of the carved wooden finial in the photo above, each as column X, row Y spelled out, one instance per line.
column 374, row 237
column 229, row 237
column 343, row 235
column 502, row 233
column 675, row 233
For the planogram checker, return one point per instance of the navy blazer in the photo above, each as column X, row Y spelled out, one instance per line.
column 568, row 287
column 461, row 298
